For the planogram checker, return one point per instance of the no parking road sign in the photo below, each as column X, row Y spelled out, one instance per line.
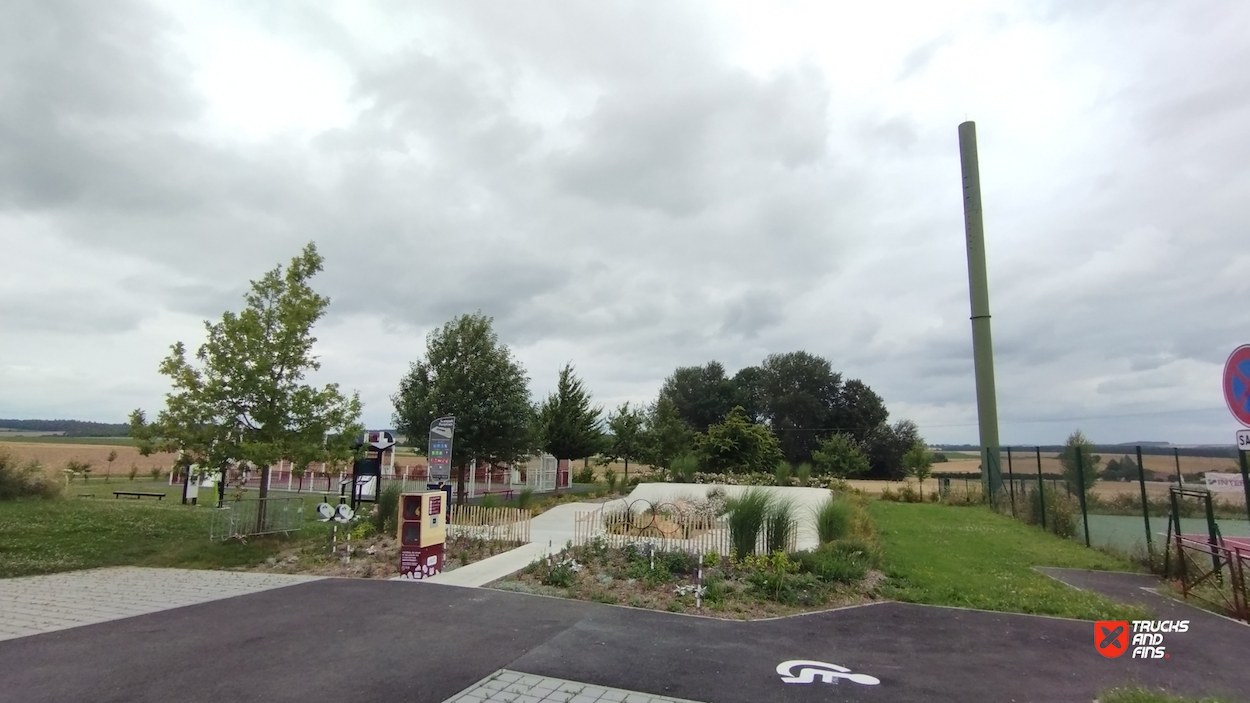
column 1237, row 384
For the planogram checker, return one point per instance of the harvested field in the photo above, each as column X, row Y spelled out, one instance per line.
column 54, row 456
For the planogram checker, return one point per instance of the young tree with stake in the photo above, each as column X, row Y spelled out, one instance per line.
column 243, row 396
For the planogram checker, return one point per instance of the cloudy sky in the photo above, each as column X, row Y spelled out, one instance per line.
column 636, row 186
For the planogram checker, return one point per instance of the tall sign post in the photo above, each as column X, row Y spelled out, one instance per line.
column 1236, row 388
column 979, row 295
column 438, row 456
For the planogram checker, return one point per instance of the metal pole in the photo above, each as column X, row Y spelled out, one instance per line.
column 979, row 297
column 1180, row 479
column 1145, row 502
column 1011, row 483
column 1080, row 476
column 1213, row 540
column 1041, row 487
column 1245, row 478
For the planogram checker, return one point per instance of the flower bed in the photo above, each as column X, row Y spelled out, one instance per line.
column 839, row 573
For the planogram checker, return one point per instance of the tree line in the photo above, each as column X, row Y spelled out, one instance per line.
column 242, row 396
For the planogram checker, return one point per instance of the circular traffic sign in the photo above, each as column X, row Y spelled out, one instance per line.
column 1237, row 383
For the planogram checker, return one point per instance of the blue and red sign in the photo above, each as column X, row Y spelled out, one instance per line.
column 1237, row 383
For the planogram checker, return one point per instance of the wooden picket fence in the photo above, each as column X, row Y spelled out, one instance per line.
column 693, row 534
column 510, row 524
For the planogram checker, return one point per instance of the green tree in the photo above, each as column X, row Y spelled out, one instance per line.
column 885, row 446
column 839, row 455
column 800, row 401
column 918, row 462
column 667, row 435
column 570, row 426
column 243, row 398
column 1078, row 443
column 702, row 395
column 737, row 445
column 468, row 373
column 628, row 442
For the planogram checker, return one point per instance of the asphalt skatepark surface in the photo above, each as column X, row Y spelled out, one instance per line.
column 359, row 640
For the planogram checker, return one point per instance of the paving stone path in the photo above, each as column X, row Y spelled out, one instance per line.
column 506, row 686
column 35, row 604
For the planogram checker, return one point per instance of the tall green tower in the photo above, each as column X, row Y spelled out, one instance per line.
column 979, row 294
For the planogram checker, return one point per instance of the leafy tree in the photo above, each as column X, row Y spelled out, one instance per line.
column 243, row 398
column 885, row 447
column 628, row 442
column 667, row 435
column 1124, row 469
column 737, row 445
column 112, row 457
column 840, row 455
column 800, row 400
column 858, row 410
column 571, row 428
column 748, row 388
column 918, row 462
column 1078, row 443
column 467, row 373
column 702, row 395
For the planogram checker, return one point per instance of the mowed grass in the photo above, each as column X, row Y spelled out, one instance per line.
column 1145, row 695
column 46, row 536
column 971, row 557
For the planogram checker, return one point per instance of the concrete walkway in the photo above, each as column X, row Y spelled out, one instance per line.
column 31, row 605
column 549, row 532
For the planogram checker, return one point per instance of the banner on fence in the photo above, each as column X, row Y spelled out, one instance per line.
column 1223, row 482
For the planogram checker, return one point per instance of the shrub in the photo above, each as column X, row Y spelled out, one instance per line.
column 677, row 562
column 833, row 519
column 74, row 467
column 490, row 501
column 386, row 512
column 803, row 473
column 134, row 471
column 832, row 565
column 1061, row 511
column 747, row 516
column 908, row 494
column 525, row 497
column 25, row 480
column 780, row 525
column 156, row 473
column 781, row 474
column 684, row 467
column 586, row 474
column 610, row 477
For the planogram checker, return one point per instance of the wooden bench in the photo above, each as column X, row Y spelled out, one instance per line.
column 138, row 494
column 505, row 492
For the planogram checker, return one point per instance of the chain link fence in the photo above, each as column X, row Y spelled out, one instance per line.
column 1115, row 498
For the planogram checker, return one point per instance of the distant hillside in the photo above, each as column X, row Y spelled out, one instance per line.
column 70, row 428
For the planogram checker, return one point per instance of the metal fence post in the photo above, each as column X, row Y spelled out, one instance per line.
column 1180, row 478
column 1080, row 477
column 1041, row 487
column 1145, row 503
column 1213, row 534
column 1245, row 478
column 1011, row 485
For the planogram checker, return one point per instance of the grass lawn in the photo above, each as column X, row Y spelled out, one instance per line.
column 974, row 558
column 45, row 536
column 1145, row 695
